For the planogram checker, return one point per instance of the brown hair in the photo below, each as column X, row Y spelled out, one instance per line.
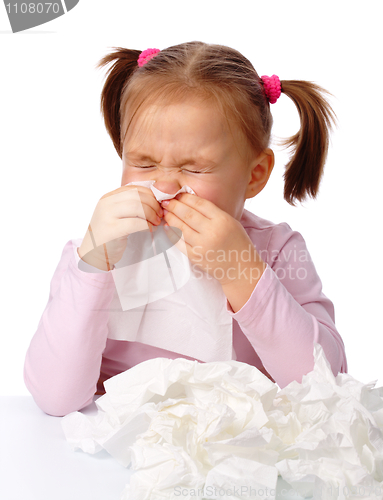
column 224, row 74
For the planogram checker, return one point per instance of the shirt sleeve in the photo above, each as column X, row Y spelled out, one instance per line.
column 63, row 361
column 287, row 312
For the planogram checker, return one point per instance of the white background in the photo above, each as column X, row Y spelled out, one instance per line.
column 57, row 159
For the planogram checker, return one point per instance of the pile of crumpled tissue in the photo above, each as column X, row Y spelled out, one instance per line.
column 198, row 428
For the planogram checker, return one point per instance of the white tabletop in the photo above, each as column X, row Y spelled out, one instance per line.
column 36, row 462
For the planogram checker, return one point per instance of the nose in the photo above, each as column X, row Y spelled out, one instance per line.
column 167, row 184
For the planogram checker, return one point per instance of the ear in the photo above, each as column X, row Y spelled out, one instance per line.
column 259, row 172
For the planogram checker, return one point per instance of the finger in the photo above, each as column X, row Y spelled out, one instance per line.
column 201, row 205
column 121, row 235
column 153, row 203
column 137, row 224
column 151, row 216
column 147, row 196
column 128, row 192
column 196, row 214
column 132, row 203
column 184, row 230
column 124, row 189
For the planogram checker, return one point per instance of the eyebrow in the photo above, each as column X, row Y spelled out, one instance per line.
column 198, row 160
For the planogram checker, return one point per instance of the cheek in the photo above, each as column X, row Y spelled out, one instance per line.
column 131, row 175
column 215, row 193
column 227, row 198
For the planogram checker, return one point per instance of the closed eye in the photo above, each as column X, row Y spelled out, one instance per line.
column 196, row 171
column 184, row 170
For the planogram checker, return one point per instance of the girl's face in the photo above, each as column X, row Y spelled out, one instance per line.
column 189, row 143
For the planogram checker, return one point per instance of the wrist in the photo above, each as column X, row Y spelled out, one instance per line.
column 239, row 290
column 93, row 261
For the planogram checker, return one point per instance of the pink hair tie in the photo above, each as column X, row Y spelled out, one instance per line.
column 146, row 55
column 272, row 86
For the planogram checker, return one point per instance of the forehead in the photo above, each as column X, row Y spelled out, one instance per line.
column 136, row 102
column 188, row 127
column 180, row 121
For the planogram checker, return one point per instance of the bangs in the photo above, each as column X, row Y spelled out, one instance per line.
column 144, row 92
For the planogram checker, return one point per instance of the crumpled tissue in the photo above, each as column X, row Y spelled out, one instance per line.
column 224, row 430
column 165, row 302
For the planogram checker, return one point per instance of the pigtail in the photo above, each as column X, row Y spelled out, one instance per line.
column 310, row 145
column 117, row 77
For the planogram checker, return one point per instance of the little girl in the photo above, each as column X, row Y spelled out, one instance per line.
column 194, row 115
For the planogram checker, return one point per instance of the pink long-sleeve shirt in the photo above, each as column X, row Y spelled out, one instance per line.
column 70, row 354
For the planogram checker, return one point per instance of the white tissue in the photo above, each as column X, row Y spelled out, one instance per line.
column 152, row 276
column 160, row 195
column 166, row 303
column 222, row 430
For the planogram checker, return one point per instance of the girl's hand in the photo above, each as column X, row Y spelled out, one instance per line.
column 117, row 214
column 215, row 241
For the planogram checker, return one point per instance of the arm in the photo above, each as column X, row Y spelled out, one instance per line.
column 283, row 311
column 286, row 311
column 62, row 364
